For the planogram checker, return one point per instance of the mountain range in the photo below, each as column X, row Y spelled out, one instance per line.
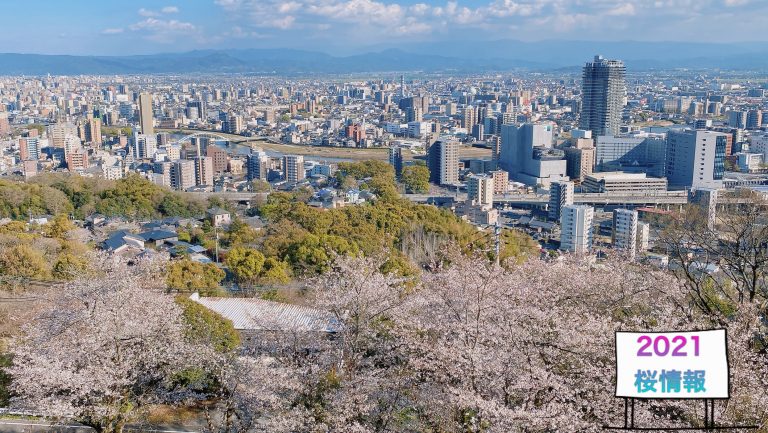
column 448, row 57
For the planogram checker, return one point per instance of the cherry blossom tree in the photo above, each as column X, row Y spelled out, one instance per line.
column 106, row 347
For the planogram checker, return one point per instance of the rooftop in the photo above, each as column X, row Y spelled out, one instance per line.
column 249, row 314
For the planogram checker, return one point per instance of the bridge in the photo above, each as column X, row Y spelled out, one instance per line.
column 595, row 199
column 208, row 135
column 232, row 196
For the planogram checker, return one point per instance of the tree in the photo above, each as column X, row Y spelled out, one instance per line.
column 736, row 238
column 186, row 275
column 207, row 327
column 275, row 272
column 104, row 349
column 245, row 263
column 58, row 227
column 416, row 179
column 24, row 261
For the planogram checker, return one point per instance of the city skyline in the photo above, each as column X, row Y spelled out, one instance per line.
column 343, row 27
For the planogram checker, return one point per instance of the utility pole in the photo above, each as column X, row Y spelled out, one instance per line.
column 216, row 231
column 497, row 237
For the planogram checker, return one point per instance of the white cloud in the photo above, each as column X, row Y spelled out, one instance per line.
column 377, row 20
column 170, row 10
column 147, row 13
column 113, row 31
column 626, row 9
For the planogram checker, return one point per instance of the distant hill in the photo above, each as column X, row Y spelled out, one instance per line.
column 456, row 57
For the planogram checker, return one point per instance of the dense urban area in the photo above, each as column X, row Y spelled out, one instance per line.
column 410, row 252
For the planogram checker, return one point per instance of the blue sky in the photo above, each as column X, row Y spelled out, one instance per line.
column 347, row 26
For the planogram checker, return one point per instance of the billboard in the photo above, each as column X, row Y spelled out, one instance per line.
column 672, row 365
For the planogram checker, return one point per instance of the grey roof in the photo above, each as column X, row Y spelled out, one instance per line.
column 115, row 240
column 155, row 235
column 253, row 314
column 217, row 211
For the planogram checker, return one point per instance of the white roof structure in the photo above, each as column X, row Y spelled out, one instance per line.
column 253, row 314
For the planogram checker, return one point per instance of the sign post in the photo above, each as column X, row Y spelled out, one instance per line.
column 672, row 365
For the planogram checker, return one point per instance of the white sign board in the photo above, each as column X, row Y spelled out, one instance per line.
column 672, row 364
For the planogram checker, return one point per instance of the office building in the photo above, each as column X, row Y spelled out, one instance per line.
column 146, row 114
column 737, row 119
column 695, row 159
column 641, row 152
column 204, row 171
column 754, row 119
column 560, row 195
column 527, row 154
column 621, row 182
column 624, row 235
column 603, row 94
column 293, row 167
column 576, row 229
column 443, row 157
column 480, row 189
column 196, row 110
column 396, row 159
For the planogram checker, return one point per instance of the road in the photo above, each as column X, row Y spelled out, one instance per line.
column 26, row 426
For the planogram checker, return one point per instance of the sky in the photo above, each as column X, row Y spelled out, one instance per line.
column 117, row 27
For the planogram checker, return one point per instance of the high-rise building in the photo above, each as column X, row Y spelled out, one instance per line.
column 220, row 158
column 480, row 189
column 603, row 94
column 204, row 171
column 93, row 131
column 580, row 159
column 58, row 132
column 233, row 125
column 737, row 119
column 500, row 181
column 643, row 236
column 77, row 159
column 560, row 195
column 182, row 174
column 527, row 154
column 468, row 119
column 146, row 115
column 754, row 119
column 5, row 126
column 29, row 148
column 576, row 228
column 638, row 152
column 695, row 159
column 706, row 199
column 624, row 235
column 257, row 166
column 444, row 162
column 144, row 146
column 396, row 159
column 293, row 166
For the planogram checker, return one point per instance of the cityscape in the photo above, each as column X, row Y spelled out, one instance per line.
column 380, row 234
